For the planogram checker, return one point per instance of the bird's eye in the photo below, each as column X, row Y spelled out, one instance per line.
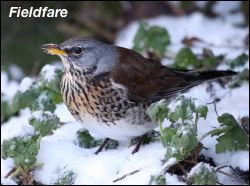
column 77, row 50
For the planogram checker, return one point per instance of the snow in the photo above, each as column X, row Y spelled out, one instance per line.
column 49, row 72
column 60, row 151
column 16, row 72
column 38, row 115
column 25, row 84
column 16, row 126
column 196, row 169
column 244, row 112
column 8, row 88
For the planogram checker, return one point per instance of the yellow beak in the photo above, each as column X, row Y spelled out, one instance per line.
column 53, row 49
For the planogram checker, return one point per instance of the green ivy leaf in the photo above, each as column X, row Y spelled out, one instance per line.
column 183, row 108
column 237, row 81
column 155, row 38
column 158, row 180
column 22, row 149
column 44, row 122
column 233, row 136
column 238, row 61
column 43, row 94
column 86, row 140
column 158, row 111
column 112, row 144
column 202, row 174
column 50, row 78
column 202, row 111
column 179, row 142
column 25, row 99
column 184, row 59
column 6, row 111
column 66, row 178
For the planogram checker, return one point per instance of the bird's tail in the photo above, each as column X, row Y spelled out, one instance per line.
column 195, row 78
column 209, row 75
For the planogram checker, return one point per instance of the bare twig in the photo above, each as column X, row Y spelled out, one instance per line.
column 221, row 167
column 35, row 68
column 232, row 176
column 124, row 176
column 10, row 172
column 215, row 108
column 182, row 169
column 189, row 161
column 102, row 146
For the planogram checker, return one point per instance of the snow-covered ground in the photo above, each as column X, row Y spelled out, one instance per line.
column 60, row 152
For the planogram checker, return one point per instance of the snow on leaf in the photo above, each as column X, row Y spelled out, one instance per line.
column 158, row 180
column 44, row 122
column 158, row 111
column 66, row 178
column 184, row 107
column 202, row 174
column 22, row 149
column 50, row 77
column 179, row 142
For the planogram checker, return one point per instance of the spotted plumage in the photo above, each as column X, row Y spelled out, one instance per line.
column 108, row 88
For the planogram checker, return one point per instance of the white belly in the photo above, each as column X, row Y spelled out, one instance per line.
column 122, row 130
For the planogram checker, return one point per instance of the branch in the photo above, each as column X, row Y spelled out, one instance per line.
column 124, row 176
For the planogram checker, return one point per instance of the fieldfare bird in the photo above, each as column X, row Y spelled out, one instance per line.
column 108, row 88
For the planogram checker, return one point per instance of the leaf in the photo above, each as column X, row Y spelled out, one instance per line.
column 44, row 122
column 237, row 81
column 202, row 174
column 151, row 38
column 205, row 61
column 233, row 136
column 43, row 94
column 66, row 178
column 209, row 60
column 112, row 144
column 158, row 40
column 184, row 107
column 6, row 111
column 202, row 110
column 50, row 78
column 179, row 142
column 184, row 59
column 86, row 140
column 158, row 111
column 158, row 180
column 238, row 61
column 25, row 99
column 22, row 149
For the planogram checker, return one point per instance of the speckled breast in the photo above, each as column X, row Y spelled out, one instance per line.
column 87, row 97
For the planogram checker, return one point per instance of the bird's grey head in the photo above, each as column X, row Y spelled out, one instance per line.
column 86, row 54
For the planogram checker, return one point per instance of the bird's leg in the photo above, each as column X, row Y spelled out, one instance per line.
column 138, row 145
column 102, row 146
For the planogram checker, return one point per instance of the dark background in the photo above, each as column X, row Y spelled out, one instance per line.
column 21, row 38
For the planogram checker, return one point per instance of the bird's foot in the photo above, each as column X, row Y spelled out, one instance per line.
column 102, row 146
column 144, row 139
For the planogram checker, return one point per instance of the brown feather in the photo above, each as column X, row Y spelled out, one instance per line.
column 144, row 78
column 148, row 80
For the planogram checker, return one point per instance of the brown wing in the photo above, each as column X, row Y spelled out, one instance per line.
column 146, row 79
